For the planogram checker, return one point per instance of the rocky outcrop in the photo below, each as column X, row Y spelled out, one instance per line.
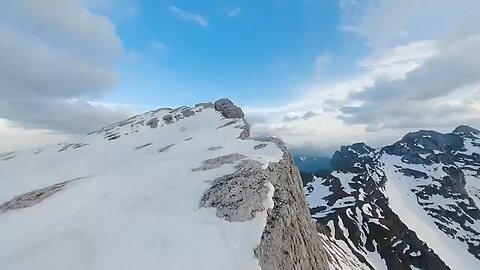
column 228, row 109
column 34, row 197
column 240, row 195
column 290, row 240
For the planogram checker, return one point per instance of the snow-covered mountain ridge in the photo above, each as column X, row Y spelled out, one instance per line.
column 410, row 205
column 182, row 188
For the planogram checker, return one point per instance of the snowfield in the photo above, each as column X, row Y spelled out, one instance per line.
column 400, row 190
column 128, row 197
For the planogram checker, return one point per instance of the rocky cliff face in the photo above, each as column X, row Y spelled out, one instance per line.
column 410, row 205
column 183, row 188
column 290, row 239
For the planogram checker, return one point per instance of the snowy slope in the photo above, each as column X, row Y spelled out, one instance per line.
column 130, row 196
column 411, row 205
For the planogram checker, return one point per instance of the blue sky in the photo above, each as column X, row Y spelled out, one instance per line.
column 246, row 50
column 317, row 73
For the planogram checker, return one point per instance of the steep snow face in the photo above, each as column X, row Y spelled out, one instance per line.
column 413, row 204
column 129, row 197
column 436, row 193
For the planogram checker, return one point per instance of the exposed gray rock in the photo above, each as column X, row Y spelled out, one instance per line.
column 228, row 109
column 188, row 139
column 466, row 130
column 8, row 156
column 163, row 149
column 227, row 124
column 152, row 123
column 217, row 162
column 278, row 142
column 215, row 148
column 38, row 150
column 245, row 134
column 168, row 119
column 112, row 136
column 33, row 197
column 66, row 146
column 188, row 113
column 290, row 240
column 179, row 109
column 238, row 196
column 127, row 121
column 161, row 109
column 178, row 117
column 142, row 146
column 259, row 146
column 205, row 105
column 455, row 181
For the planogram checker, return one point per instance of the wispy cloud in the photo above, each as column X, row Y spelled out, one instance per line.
column 133, row 56
column 234, row 12
column 157, row 45
column 188, row 16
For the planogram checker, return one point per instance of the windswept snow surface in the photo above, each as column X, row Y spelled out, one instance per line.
column 131, row 206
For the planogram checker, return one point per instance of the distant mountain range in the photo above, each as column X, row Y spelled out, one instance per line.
column 312, row 163
column 411, row 205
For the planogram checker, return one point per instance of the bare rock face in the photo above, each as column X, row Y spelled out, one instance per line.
column 228, row 109
column 164, row 149
column 259, row 146
column 290, row 240
column 246, row 131
column 31, row 198
column 34, row 197
column 168, row 119
column 240, row 195
column 153, row 123
column 213, row 163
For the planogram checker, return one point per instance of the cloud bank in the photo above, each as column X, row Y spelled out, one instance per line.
column 423, row 72
column 55, row 57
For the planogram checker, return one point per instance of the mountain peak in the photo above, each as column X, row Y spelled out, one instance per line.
column 182, row 188
column 464, row 129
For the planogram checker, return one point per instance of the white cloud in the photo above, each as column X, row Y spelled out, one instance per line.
column 133, row 56
column 433, row 94
column 321, row 61
column 119, row 9
column 188, row 16
column 414, row 53
column 234, row 12
column 22, row 139
column 389, row 23
column 157, row 45
column 380, row 124
column 423, row 72
column 53, row 53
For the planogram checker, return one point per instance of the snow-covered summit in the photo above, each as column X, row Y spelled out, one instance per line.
column 168, row 189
